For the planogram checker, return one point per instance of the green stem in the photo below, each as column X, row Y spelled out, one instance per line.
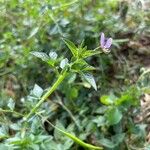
column 73, row 137
column 10, row 111
column 97, row 48
column 47, row 94
column 66, row 108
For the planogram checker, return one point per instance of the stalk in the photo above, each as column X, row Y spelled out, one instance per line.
column 47, row 94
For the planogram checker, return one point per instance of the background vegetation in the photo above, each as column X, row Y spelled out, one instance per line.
column 116, row 116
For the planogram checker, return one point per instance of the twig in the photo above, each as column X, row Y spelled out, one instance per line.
column 65, row 107
column 11, row 111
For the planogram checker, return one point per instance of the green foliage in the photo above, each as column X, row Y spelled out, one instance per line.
column 50, row 104
column 116, row 140
column 90, row 79
column 113, row 116
column 72, row 48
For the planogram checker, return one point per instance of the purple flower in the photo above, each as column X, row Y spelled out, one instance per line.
column 105, row 42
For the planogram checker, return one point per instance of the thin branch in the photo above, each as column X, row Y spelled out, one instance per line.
column 65, row 108
column 11, row 111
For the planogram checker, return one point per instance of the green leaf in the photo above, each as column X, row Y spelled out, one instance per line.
column 72, row 47
column 67, row 145
column 107, row 143
column 63, row 63
column 37, row 91
column 33, row 32
column 11, row 104
column 53, row 55
column 73, row 93
column 100, row 121
column 15, row 126
column 124, row 99
column 5, row 147
column 81, row 65
column 71, row 78
column 90, row 79
column 51, row 59
column 3, row 132
column 128, row 98
column 118, row 138
column 107, row 100
column 88, row 68
column 35, row 146
column 40, row 55
column 101, row 110
column 113, row 115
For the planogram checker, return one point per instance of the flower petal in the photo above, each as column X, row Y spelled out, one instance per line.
column 102, row 40
column 108, row 43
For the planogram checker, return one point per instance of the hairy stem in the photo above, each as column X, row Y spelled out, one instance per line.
column 47, row 94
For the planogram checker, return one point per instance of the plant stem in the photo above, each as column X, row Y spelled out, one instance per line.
column 47, row 94
column 10, row 111
column 66, row 108
column 73, row 137
column 97, row 48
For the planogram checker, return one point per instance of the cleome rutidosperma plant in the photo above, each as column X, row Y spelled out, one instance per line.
column 63, row 67
column 29, row 131
column 77, row 65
